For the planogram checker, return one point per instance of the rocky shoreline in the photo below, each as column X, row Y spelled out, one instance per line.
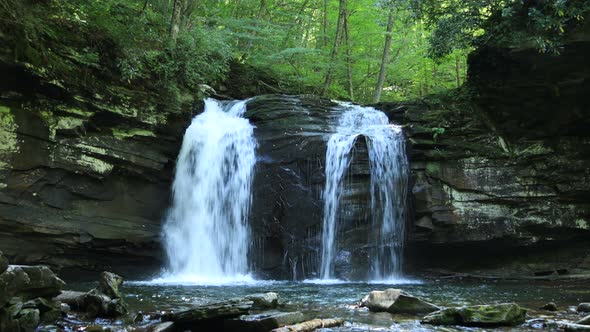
column 33, row 298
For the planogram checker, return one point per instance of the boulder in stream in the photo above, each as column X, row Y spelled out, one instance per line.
column 396, row 301
column 109, row 283
column 268, row 300
column 104, row 301
column 28, row 282
column 505, row 314
column 584, row 307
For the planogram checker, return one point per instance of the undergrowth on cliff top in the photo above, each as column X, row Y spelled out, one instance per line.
column 331, row 47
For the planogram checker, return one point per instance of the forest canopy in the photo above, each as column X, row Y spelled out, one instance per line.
column 361, row 50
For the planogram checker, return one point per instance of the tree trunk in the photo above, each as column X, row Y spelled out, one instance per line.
column 329, row 74
column 384, row 60
column 458, row 70
column 348, row 58
column 311, row 325
column 176, row 18
column 325, row 25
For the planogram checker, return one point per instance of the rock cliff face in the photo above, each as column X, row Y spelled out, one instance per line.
column 506, row 186
column 287, row 210
column 84, row 175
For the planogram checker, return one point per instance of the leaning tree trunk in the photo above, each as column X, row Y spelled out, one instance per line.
column 311, row 325
column 384, row 60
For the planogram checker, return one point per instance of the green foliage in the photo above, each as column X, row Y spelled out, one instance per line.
column 460, row 24
column 437, row 131
column 287, row 43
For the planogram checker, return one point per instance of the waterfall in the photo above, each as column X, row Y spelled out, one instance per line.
column 389, row 176
column 206, row 232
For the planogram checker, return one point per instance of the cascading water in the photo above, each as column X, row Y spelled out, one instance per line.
column 389, row 176
column 206, row 231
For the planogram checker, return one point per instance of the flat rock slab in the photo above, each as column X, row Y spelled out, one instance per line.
column 208, row 312
column 262, row 322
column 396, row 301
column 506, row 314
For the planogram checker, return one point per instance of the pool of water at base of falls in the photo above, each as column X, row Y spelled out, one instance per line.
column 322, row 300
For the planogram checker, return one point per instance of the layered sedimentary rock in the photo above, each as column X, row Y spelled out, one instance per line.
column 506, row 185
column 84, row 175
column 287, row 205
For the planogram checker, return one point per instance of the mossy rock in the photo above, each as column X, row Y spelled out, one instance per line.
column 506, row 314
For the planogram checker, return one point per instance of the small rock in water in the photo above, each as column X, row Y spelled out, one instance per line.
column 396, row 301
column 551, row 306
column 506, row 314
column 584, row 307
column 268, row 300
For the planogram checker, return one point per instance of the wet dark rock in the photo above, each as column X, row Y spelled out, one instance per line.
column 584, row 307
column 506, row 314
column 96, row 303
column 268, row 300
column 75, row 300
column 3, row 262
column 109, row 284
column 551, row 306
column 28, row 319
column 396, row 301
column 262, row 322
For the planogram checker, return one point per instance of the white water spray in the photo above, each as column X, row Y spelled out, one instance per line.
column 389, row 176
column 206, row 231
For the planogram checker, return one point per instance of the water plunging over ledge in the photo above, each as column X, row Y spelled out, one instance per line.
column 206, row 232
column 389, row 176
